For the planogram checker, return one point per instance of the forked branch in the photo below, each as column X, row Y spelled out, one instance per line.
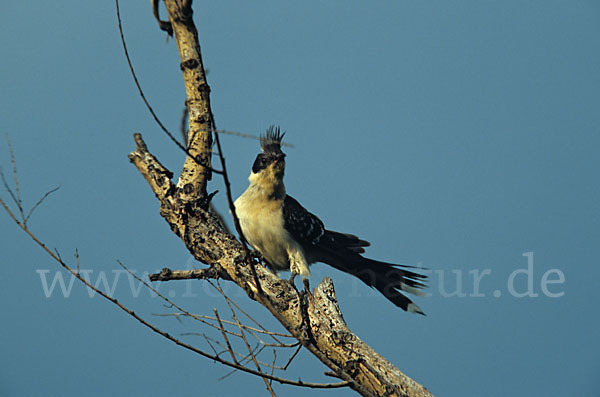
column 315, row 321
column 215, row 357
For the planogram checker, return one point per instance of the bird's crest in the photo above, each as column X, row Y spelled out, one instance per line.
column 270, row 142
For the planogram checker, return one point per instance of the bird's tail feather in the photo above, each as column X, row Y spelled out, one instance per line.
column 389, row 279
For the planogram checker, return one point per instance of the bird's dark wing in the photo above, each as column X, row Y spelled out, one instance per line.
column 307, row 228
column 343, row 241
column 342, row 251
column 304, row 227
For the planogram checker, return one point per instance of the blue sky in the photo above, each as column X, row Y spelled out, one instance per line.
column 457, row 136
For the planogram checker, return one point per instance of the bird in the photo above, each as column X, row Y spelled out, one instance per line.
column 289, row 237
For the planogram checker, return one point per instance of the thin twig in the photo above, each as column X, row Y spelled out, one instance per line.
column 77, row 259
column 156, row 329
column 242, row 311
column 40, row 201
column 164, row 298
column 163, row 25
column 16, row 194
column 222, row 328
column 267, row 383
column 246, row 327
column 143, row 96
column 236, row 220
column 211, row 346
column 257, row 350
column 141, row 92
column 13, row 163
column 273, row 365
column 198, row 333
column 12, row 194
column 249, row 136
column 57, row 253
column 244, row 358
column 285, row 367
column 167, row 274
column 287, row 345
column 199, row 317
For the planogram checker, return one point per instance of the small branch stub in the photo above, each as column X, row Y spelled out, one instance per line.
column 213, row 272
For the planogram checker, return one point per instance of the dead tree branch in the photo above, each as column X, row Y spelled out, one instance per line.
column 75, row 272
column 316, row 322
column 197, row 169
column 212, row 272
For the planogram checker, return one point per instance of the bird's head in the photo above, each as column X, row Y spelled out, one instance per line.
column 270, row 163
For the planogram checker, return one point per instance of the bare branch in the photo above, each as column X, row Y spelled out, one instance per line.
column 14, row 198
column 77, row 259
column 157, row 176
column 244, row 358
column 231, row 302
column 198, row 160
column 57, row 253
column 289, row 361
column 154, row 328
column 197, row 168
column 213, row 272
column 222, row 328
column 254, row 360
column 198, row 318
column 16, row 194
column 206, row 240
column 173, row 304
column 236, row 220
column 273, row 365
column 316, row 322
column 246, row 327
column 135, row 79
column 39, row 202
column 249, row 136
column 13, row 163
column 163, row 25
column 211, row 346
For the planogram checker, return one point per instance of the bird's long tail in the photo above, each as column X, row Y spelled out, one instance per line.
column 389, row 279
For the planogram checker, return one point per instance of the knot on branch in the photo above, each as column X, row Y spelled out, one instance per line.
column 164, row 275
column 189, row 64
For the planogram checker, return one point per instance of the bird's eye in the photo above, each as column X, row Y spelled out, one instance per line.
column 263, row 160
